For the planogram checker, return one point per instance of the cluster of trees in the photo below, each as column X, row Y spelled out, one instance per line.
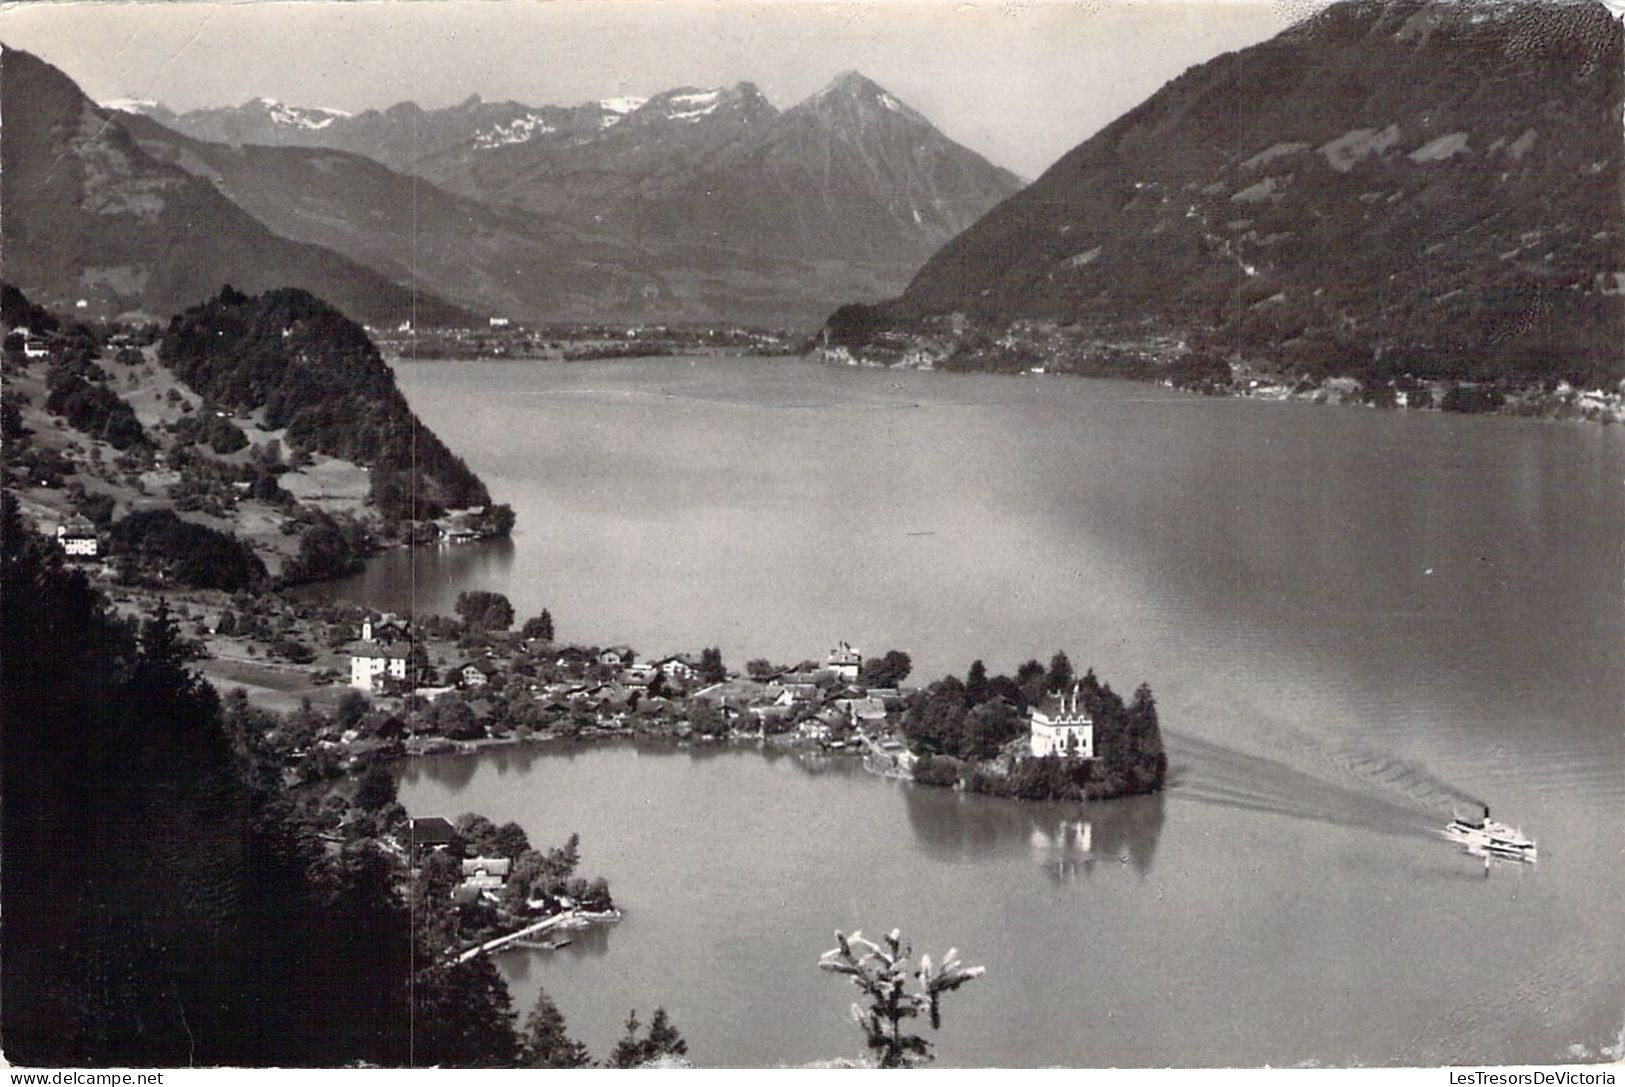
column 329, row 547
column 539, row 627
column 316, row 373
column 711, row 669
column 79, row 393
column 207, row 428
column 259, row 944
column 545, row 1041
column 18, row 312
column 189, row 553
column 484, row 611
column 1472, row 400
column 975, row 717
column 960, row 728
column 106, row 727
column 255, row 944
column 887, row 670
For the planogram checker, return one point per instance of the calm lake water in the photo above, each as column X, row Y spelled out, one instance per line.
column 1351, row 620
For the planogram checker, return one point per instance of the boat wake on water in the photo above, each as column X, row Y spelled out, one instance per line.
column 1210, row 773
column 1321, row 783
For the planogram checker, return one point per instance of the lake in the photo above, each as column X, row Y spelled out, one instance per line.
column 1352, row 619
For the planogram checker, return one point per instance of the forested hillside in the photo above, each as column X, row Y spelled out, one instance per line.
column 1390, row 188
column 96, row 225
column 315, row 372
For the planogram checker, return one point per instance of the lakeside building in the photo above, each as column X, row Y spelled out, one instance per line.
column 477, row 673
column 371, row 664
column 431, row 832
column 866, row 712
column 844, row 661
column 1060, row 726
column 485, row 873
column 680, row 667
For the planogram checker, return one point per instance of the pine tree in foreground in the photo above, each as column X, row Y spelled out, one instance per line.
column 883, row 974
column 663, row 1040
column 546, row 1043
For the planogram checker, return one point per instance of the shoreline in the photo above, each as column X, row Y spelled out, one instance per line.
column 881, row 765
column 1563, row 404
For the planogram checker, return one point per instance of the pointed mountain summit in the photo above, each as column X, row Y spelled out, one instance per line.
column 855, row 95
column 92, row 217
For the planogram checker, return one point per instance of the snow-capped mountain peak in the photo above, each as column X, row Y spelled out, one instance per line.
column 311, row 117
column 692, row 105
column 622, row 105
column 519, row 130
column 131, row 105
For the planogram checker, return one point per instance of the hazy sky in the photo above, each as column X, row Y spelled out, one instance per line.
column 1021, row 81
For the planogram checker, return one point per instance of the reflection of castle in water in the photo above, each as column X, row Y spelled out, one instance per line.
column 1066, row 848
column 1065, row 840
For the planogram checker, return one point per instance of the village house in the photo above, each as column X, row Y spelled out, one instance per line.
column 477, row 673
column 485, row 873
column 387, row 727
column 844, row 661
column 814, row 728
column 432, row 832
column 791, row 693
column 372, row 664
column 866, row 713
column 612, row 697
column 77, row 537
column 616, row 656
column 639, row 675
column 1061, row 726
column 35, row 348
column 573, row 658
column 679, row 667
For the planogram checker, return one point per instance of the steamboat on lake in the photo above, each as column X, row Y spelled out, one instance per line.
column 1481, row 834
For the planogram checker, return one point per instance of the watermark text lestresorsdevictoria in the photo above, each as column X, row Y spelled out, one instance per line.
column 1532, row 1079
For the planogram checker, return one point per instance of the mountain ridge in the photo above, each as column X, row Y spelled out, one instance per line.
column 691, row 204
column 1387, row 187
column 91, row 217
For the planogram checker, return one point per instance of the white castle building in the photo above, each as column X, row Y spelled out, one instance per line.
column 1061, row 726
column 845, row 662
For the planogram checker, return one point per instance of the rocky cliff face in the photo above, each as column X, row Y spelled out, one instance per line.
column 1389, row 186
